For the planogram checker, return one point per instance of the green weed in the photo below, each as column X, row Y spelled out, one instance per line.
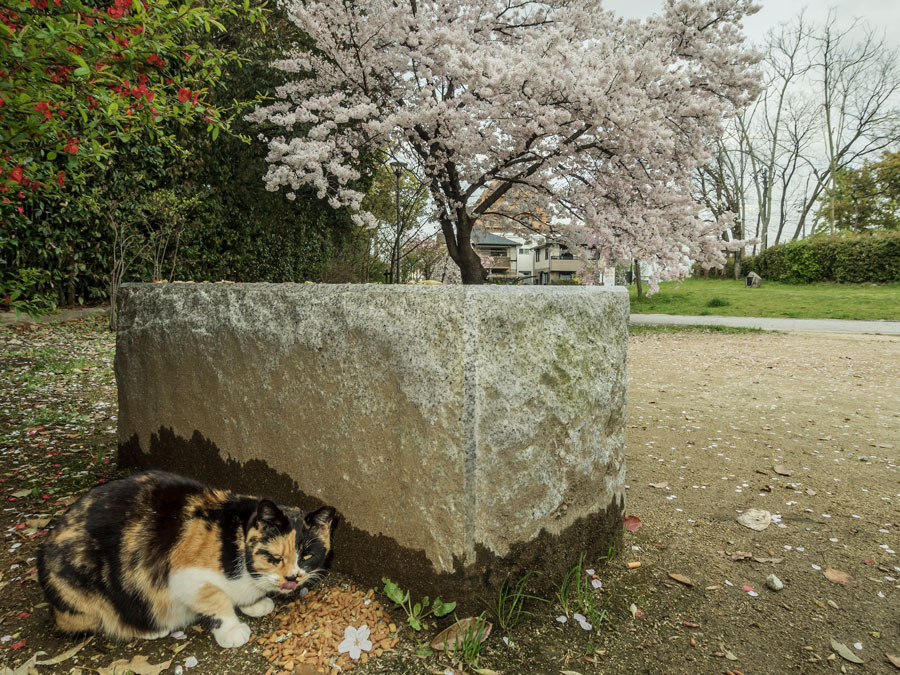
column 415, row 612
column 469, row 643
column 508, row 607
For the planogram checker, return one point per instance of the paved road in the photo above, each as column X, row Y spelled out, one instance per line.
column 788, row 325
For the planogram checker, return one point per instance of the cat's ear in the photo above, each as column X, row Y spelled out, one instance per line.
column 320, row 519
column 319, row 523
column 268, row 515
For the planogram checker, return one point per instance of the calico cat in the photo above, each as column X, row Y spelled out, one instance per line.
column 145, row 555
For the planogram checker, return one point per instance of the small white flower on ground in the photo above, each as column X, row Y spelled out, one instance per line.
column 356, row 640
column 579, row 617
column 561, row 619
column 590, row 573
column 816, row 567
column 596, row 583
column 857, row 645
column 509, row 643
column 585, row 625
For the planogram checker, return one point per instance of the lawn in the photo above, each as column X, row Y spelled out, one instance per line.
column 811, row 301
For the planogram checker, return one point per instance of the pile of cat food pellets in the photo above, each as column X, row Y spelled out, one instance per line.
column 311, row 627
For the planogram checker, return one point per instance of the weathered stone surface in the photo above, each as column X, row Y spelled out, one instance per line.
column 450, row 426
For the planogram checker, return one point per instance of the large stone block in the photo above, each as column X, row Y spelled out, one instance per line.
column 461, row 432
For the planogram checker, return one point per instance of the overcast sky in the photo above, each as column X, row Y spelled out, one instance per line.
column 880, row 14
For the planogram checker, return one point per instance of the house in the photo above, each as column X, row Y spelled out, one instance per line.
column 554, row 263
column 499, row 254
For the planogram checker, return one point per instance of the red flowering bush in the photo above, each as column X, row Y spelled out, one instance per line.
column 80, row 80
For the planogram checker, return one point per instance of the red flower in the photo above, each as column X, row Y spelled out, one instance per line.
column 156, row 60
column 137, row 30
column 196, row 96
column 43, row 109
column 61, row 178
column 184, row 94
column 115, row 12
column 16, row 174
column 71, row 146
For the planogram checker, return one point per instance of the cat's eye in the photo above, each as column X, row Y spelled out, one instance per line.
column 277, row 560
column 307, row 556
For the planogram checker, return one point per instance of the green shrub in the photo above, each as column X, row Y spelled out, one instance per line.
column 859, row 259
column 718, row 302
column 27, row 290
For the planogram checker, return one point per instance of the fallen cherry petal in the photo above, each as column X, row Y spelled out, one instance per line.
column 190, row 662
column 562, row 619
column 747, row 588
column 17, row 645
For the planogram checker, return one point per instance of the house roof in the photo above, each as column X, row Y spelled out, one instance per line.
column 490, row 239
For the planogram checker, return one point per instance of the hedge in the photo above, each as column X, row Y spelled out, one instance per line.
column 856, row 260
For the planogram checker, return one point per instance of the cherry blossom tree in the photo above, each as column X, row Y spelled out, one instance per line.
column 602, row 119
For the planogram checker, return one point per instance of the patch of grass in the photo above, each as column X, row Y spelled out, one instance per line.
column 803, row 301
column 637, row 329
column 576, row 595
column 470, row 643
column 508, row 607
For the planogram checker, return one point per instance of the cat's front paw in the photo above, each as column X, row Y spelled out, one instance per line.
column 232, row 634
column 259, row 608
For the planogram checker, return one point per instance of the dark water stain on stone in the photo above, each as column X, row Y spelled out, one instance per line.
column 368, row 557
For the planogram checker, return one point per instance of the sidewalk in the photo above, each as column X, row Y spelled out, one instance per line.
column 787, row 325
column 10, row 318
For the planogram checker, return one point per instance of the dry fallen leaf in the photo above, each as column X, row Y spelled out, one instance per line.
column 893, row 659
column 839, row 577
column 632, row 523
column 782, row 470
column 680, row 578
column 23, row 669
column 736, row 556
column 66, row 655
column 755, row 519
column 37, row 523
column 448, row 638
column 660, row 486
column 845, row 652
column 138, row 665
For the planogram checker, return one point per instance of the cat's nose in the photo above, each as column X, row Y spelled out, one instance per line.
column 293, row 577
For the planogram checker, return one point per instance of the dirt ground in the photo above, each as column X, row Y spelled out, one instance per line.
column 710, row 418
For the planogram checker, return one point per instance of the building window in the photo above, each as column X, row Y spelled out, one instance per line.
column 523, row 251
column 497, row 252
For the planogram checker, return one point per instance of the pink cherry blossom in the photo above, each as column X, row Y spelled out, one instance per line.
column 602, row 120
